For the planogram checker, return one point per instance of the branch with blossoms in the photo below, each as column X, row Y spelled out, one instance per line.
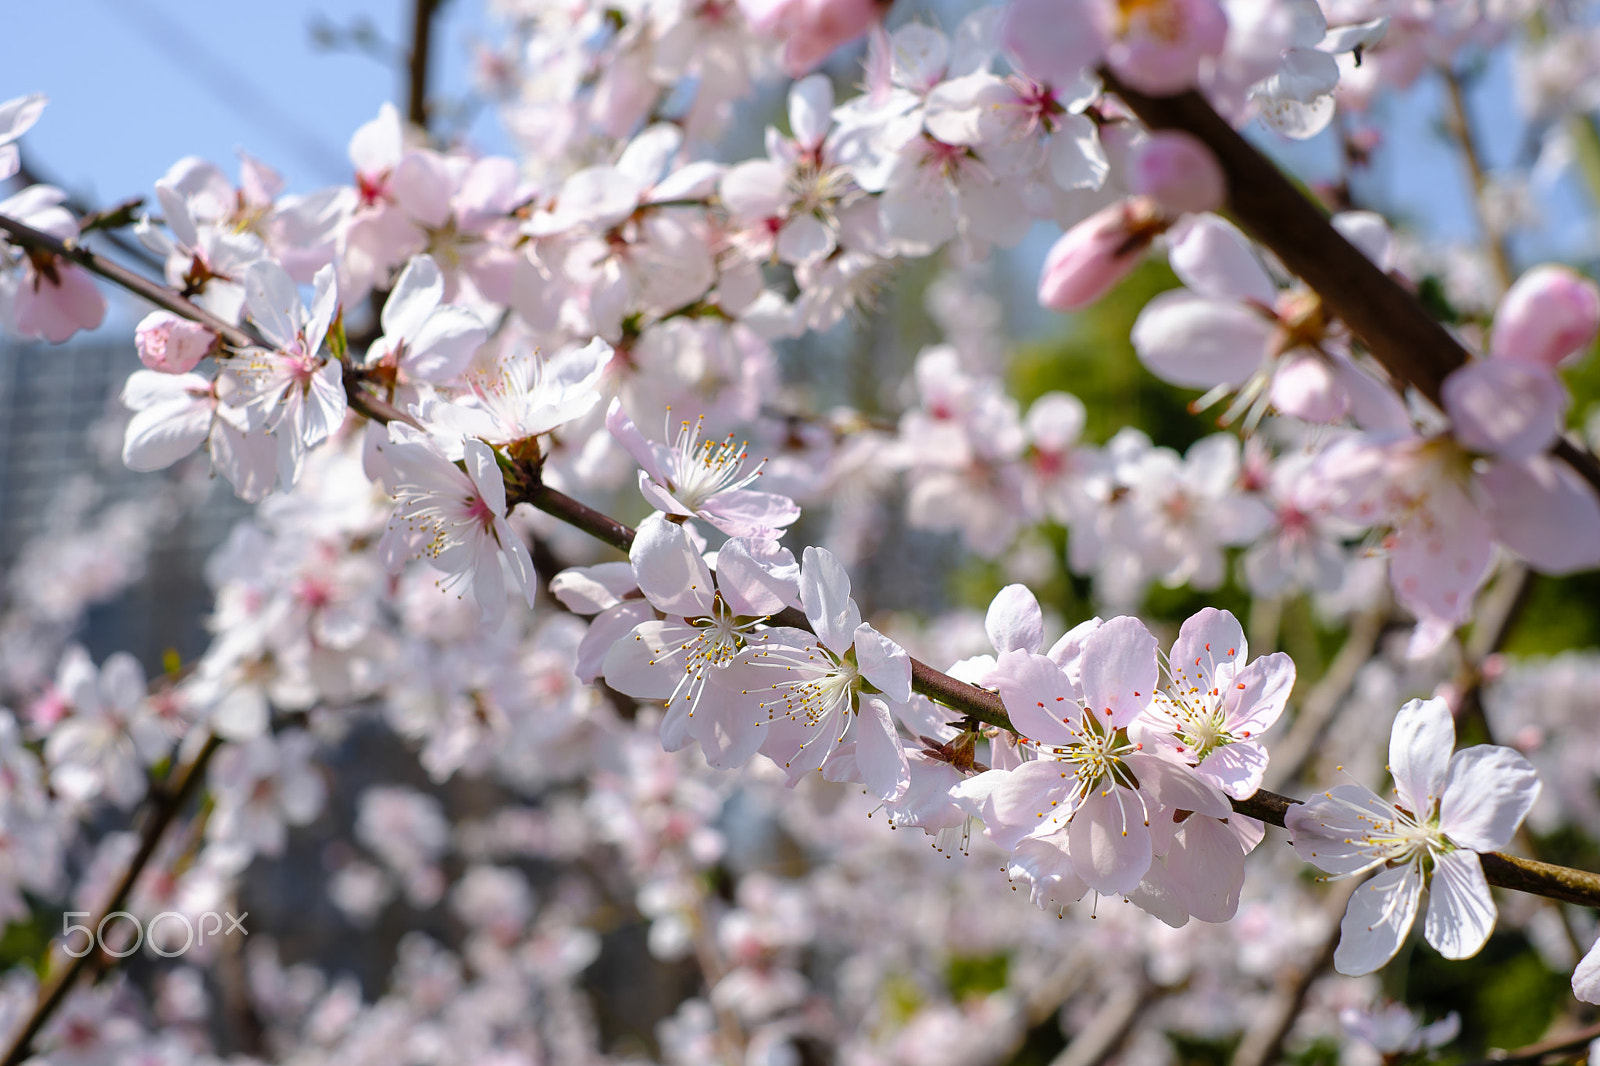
column 63, row 971
column 522, row 485
column 535, row 320
column 516, row 479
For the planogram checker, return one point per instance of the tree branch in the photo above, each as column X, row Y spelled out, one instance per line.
column 1396, row 329
column 422, row 12
column 1460, row 127
column 157, row 294
column 1558, row 882
column 166, row 801
column 1533, row 1053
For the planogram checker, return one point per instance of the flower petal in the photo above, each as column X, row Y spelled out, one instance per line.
column 1109, row 841
column 1461, row 912
column 883, row 662
column 1015, row 620
column 671, row 573
column 825, row 592
column 1487, row 793
column 1119, row 670
column 1377, row 920
column 1419, row 753
column 880, row 756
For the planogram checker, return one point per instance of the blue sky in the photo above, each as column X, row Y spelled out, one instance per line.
column 135, row 85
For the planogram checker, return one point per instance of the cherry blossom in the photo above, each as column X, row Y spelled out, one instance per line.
column 1217, row 702
column 454, row 518
column 1449, row 808
column 709, row 621
column 703, row 479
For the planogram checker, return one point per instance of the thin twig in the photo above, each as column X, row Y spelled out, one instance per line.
column 1460, row 127
column 1575, row 1041
column 166, row 800
column 1264, row 1039
column 1558, row 882
column 112, row 271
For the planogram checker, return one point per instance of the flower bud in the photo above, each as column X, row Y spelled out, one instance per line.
column 812, row 29
column 1098, row 252
column 1550, row 314
column 1178, row 172
column 172, row 345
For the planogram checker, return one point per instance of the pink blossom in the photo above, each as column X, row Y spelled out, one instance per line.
column 1549, row 317
column 1450, row 808
column 811, row 29
column 170, row 344
column 1091, row 257
column 1178, row 172
column 703, row 479
column 709, row 621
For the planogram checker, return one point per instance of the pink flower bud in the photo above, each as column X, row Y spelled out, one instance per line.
column 1551, row 313
column 170, row 344
column 1098, row 252
column 812, row 29
column 1178, row 172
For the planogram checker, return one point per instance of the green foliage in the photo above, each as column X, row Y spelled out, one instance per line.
column 1095, row 361
column 1195, row 1051
column 1320, row 1052
column 26, row 943
column 976, row 975
column 1504, row 994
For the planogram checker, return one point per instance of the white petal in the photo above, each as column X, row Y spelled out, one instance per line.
column 1419, row 753
column 1488, row 791
column 1108, row 840
column 415, row 295
column 1191, row 340
column 1545, row 512
column 671, row 573
column 1461, row 912
column 274, row 302
column 1377, row 920
column 880, row 756
column 444, row 345
column 1214, row 259
column 1119, row 670
column 883, row 662
column 1586, row 978
column 810, row 109
column 1015, row 621
column 160, row 435
column 825, row 592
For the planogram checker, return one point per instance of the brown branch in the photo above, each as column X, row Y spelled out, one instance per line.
column 422, row 12
column 1574, row 1041
column 1390, row 321
column 1113, row 1023
column 140, row 286
column 166, row 801
column 1460, row 126
column 1275, row 1019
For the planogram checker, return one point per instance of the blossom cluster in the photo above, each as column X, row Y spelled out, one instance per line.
column 417, row 376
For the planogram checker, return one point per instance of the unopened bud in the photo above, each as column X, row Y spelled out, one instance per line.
column 1091, row 257
column 172, row 345
column 1549, row 315
column 1178, row 172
